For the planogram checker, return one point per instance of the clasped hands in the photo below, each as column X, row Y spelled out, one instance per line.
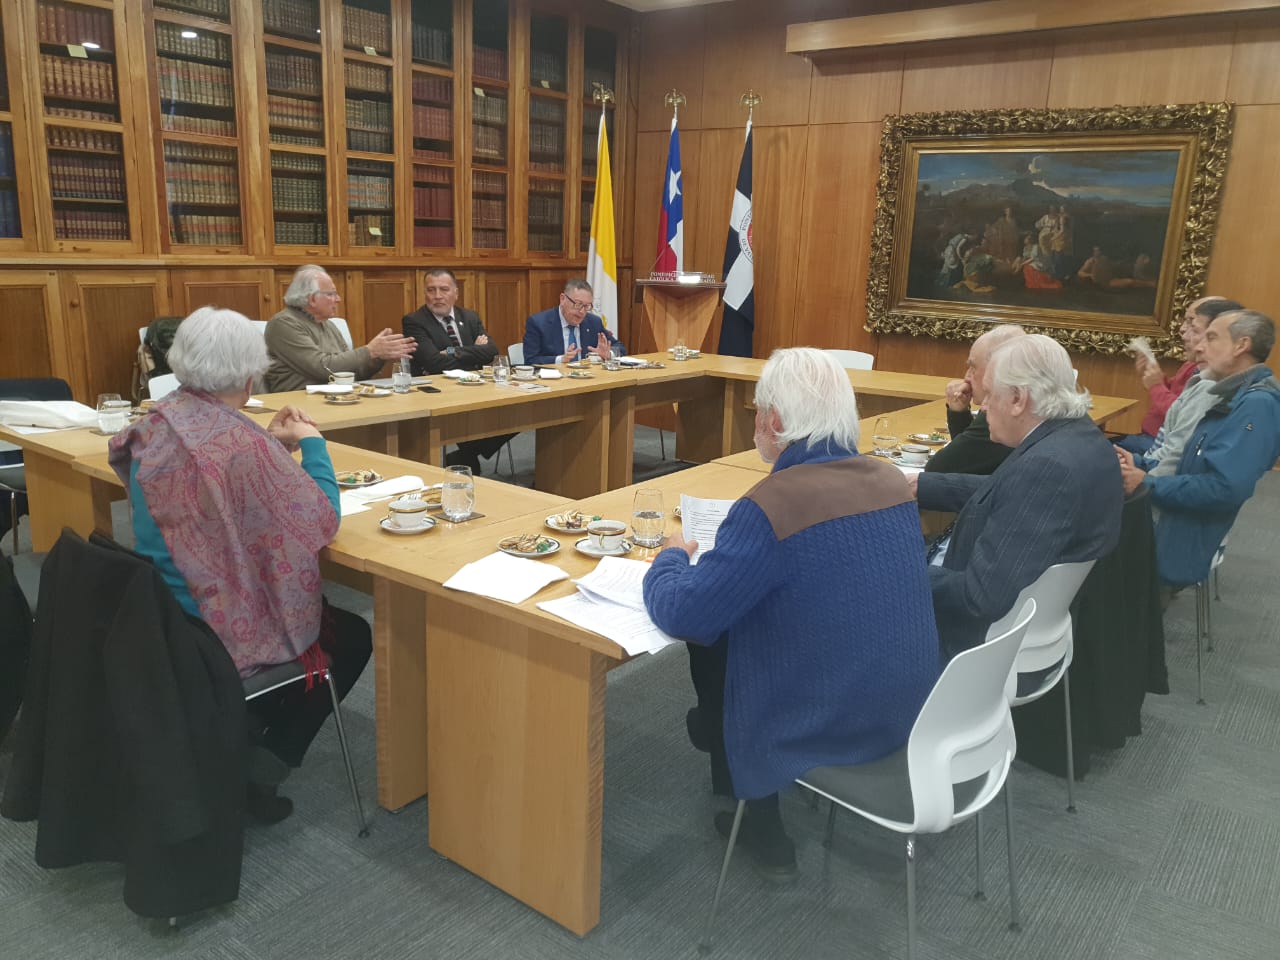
column 601, row 349
column 291, row 425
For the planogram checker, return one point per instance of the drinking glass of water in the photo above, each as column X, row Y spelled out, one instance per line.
column 885, row 439
column 680, row 351
column 648, row 518
column 401, row 376
column 458, row 494
column 501, row 370
column 113, row 413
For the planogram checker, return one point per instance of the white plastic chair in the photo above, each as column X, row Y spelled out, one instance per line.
column 260, row 325
column 515, row 353
column 343, row 329
column 955, row 762
column 1048, row 644
column 854, row 359
column 1204, row 615
column 158, row 387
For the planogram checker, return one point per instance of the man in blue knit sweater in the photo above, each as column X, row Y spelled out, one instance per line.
column 812, row 613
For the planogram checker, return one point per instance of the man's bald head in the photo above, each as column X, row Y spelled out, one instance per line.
column 981, row 352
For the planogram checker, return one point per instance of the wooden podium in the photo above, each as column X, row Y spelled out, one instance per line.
column 677, row 311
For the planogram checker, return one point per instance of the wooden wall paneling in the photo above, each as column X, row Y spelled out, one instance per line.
column 837, row 212
column 507, row 304
column 710, row 161
column 385, row 297
column 518, row 129
column 1180, row 62
column 31, row 326
column 1242, row 263
column 650, row 166
column 104, row 309
column 256, row 223
column 626, row 308
column 624, row 152
column 942, row 358
column 745, row 55
column 979, row 76
column 545, row 287
column 249, row 291
column 779, row 163
column 851, row 91
column 1253, row 78
column 670, row 55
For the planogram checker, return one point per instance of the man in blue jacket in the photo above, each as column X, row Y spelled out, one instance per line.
column 569, row 331
column 1237, row 441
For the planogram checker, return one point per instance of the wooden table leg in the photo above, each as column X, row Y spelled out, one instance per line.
column 573, row 457
column 58, row 496
column 622, row 434
column 400, row 691
column 516, row 729
column 738, row 423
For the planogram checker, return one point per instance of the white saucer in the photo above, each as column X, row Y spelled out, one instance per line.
column 386, row 524
column 584, row 546
column 561, row 528
column 533, row 555
column 898, row 461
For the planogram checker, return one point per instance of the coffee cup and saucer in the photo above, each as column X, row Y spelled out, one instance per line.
column 407, row 515
column 605, row 538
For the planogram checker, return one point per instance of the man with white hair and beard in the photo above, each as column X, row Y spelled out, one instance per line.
column 1056, row 499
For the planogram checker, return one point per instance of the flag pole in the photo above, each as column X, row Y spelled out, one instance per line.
column 749, row 100
column 673, row 99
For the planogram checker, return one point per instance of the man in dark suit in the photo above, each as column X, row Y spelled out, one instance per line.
column 1057, row 498
column 971, row 449
column 569, row 331
column 450, row 337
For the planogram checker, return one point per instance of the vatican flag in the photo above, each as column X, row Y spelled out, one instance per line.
column 602, row 254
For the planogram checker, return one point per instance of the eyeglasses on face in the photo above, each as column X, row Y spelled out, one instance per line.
column 575, row 304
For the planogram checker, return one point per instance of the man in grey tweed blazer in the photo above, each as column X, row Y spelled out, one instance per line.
column 1056, row 499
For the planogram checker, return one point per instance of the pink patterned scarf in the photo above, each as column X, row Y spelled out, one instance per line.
column 242, row 521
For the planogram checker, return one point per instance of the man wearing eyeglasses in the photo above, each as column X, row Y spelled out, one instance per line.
column 569, row 331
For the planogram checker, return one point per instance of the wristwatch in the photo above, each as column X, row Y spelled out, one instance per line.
column 452, row 352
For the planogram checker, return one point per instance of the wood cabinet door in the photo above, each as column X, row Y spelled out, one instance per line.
column 379, row 299
column 248, row 291
column 104, row 310
column 506, row 305
column 31, row 326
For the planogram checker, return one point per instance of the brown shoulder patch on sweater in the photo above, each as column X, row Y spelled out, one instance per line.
column 807, row 494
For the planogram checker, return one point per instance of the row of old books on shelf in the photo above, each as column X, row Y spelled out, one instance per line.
column 366, row 28
column 488, row 212
column 433, row 235
column 366, row 76
column 77, row 79
column 63, row 24
column 176, row 150
column 213, row 9
column 207, row 126
column 541, row 109
column 368, row 115
column 300, row 232
column 208, row 45
column 10, row 222
column 432, row 89
column 81, row 113
column 297, row 162
column 368, row 230
column 489, row 239
column 489, row 183
column 370, row 141
column 201, row 83
column 489, row 63
column 432, row 123
column 546, row 242
column 489, row 108
column 292, row 195
column 204, row 230
column 433, row 203
column 293, row 71
column 432, row 45
column 365, row 192
column 545, row 211
column 546, row 70
column 201, row 183
column 285, row 111
column 86, row 177
column 546, row 140
column 90, row 224
column 294, row 18
column 489, row 144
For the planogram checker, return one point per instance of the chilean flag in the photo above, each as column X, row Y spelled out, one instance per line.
column 671, row 221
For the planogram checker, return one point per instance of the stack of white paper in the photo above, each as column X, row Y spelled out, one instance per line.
column 610, row 602
column 504, row 577
column 385, row 488
column 700, row 520
column 54, row 414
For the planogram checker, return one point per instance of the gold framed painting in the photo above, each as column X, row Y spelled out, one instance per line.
column 1093, row 226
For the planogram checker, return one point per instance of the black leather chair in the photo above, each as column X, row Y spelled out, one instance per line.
column 13, row 479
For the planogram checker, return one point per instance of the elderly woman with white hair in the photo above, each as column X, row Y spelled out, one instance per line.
column 1056, row 498
column 234, row 525
column 811, row 636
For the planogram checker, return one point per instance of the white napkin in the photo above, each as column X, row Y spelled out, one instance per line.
column 456, row 374
column 504, row 577
column 631, row 361
column 349, row 505
column 546, row 374
column 386, row 488
column 57, row 414
column 253, row 403
column 329, row 388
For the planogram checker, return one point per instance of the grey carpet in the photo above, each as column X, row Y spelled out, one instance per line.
column 1172, row 856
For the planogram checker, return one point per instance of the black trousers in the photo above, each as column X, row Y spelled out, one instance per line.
column 483, row 448
column 287, row 720
column 707, row 667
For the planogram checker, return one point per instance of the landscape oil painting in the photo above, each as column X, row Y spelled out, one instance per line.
column 1093, row 226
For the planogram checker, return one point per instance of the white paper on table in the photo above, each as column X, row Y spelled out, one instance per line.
column 27, row 431
column 616, row 580
column 632, row 361
column 909, row 471
column 531, row 387
column 253, row 403
column 385, row 488
column 457, row 374
column 700, row 520
column 349, row 504
column 56, row 414
column 632, row 630
column 504, row 577
column 330, row 388
column 548, row 374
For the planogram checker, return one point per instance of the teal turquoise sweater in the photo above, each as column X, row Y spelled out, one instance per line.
column 818, row 577
column 148, row 541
